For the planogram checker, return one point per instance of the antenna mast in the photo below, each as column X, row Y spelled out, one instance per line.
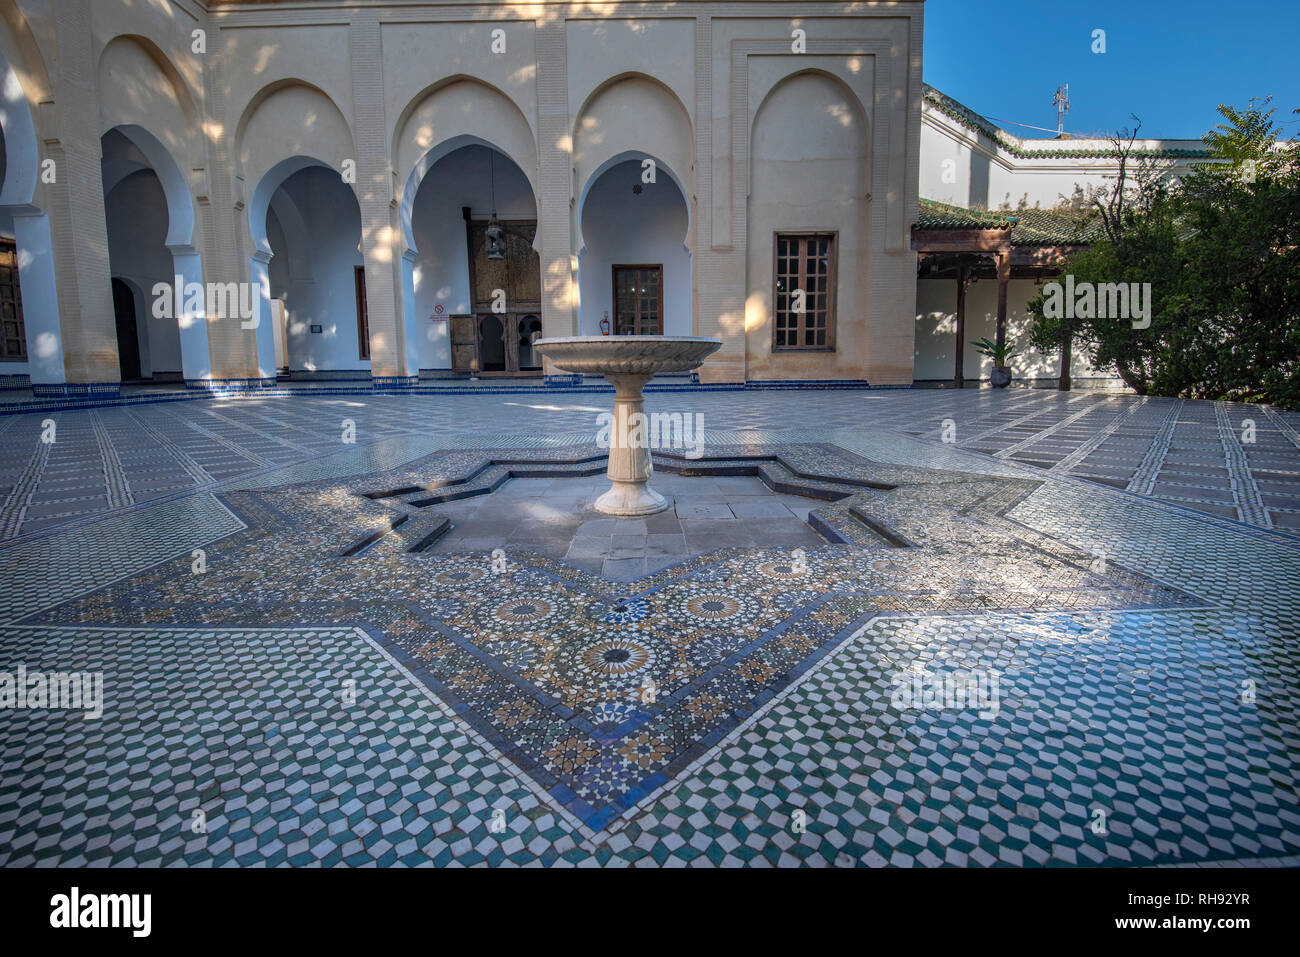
column 1062, row 103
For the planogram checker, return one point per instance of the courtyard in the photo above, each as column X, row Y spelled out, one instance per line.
column 903, row 627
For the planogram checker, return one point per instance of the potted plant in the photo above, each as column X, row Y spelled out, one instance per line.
column 1000, row 377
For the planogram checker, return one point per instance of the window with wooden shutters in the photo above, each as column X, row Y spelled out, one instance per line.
column 13, row 337
column 638, row 300
column 803, row 296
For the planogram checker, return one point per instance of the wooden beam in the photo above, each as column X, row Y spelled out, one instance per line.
column 958, row 240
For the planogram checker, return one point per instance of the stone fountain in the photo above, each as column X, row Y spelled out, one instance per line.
column 628, row 362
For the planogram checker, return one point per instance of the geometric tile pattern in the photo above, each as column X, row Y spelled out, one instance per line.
column 314, row 742
column 45, row 571
column 1096, row 715
column 603, row 692
column 1171, row 449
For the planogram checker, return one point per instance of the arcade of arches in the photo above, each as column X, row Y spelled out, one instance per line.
column 436, row 200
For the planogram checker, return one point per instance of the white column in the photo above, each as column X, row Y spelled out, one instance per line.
column 40, row 299
column 196, row 360
column 262, row 317
column 411, row 323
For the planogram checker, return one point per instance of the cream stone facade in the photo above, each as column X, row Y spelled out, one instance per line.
column 668, row 167
column 290, row 144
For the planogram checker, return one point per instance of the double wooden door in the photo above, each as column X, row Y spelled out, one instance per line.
column 497, row 337
column 489, row 343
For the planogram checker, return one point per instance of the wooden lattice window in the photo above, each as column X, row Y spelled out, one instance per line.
column 803, row 296
column 13, row 336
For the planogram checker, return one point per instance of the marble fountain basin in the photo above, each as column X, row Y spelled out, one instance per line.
column 628, row 362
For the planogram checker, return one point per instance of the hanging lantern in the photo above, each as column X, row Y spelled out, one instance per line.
column 495, row 240
column 494, row 236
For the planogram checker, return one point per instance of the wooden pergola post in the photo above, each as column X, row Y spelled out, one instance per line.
column 1004, row 279
column 981, row 234
column 963, row 274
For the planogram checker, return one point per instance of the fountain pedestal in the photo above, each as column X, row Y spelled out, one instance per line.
column 628, row 363
column 630, row 465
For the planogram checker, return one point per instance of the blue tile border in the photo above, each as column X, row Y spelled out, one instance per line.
column 268, row 388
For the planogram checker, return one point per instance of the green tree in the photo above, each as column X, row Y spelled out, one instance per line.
column 1220, row 250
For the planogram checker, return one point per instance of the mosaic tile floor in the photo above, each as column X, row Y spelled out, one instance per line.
column 1226, row 459
column 346, row 684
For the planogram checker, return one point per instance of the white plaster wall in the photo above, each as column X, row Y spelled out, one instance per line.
column 984, row 175
column 293, row 121
column 936, row 331
column 136, row 213
column 133, row 88
column 262, row 58
column 167, row 38
column 331, row 229
column 441, row 271
column 418, row 56
column 622, row 227
column 946, row 165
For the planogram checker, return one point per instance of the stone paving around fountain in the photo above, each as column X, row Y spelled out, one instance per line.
column 356, row 677
column 555, row 517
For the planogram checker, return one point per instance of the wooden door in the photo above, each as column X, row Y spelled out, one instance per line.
column 13, row 336
column 528, row 329
column 493, row 342
column 464, row 344
column 638, row 300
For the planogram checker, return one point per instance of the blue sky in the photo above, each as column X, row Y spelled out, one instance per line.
column 1169, row 63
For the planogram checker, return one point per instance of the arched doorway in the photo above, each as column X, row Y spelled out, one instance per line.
column 634, row 269
column 313, row 229
column 149, row 218
column 475, row 267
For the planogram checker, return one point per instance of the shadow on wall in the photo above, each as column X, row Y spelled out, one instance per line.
column 979, row 181
column 936, row 330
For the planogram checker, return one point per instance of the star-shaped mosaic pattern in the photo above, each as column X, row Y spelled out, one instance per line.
column 604, row 692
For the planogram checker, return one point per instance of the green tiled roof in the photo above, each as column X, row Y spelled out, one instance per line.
column 1042, row 227
column 1029, row 227
column 979, row 124
column 936, row 215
